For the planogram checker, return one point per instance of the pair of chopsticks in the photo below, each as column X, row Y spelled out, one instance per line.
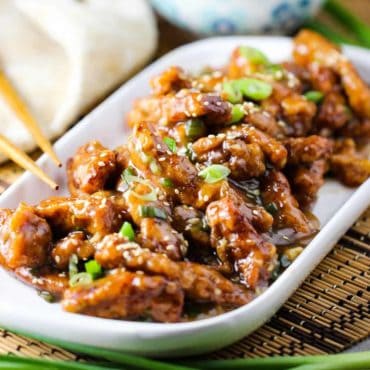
column 10, row 95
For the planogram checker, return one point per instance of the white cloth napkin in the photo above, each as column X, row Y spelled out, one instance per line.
column 63, row 55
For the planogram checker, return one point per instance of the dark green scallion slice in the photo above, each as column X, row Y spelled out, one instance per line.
column 271, row 208
column 171, row 144
column 152, row 212
column 195, row 128
column 314, row 96
column 166, row 182
column 47, row 296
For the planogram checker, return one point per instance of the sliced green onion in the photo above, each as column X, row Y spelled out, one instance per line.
column 214, row 173
column 72, row 265
column 171, row 144
column 47, row 296
column 271, row 208
column 128, row 175
column 195, row 128
column 94, row 269
column 152, row 212
column 233, row 94
column 80, row 279
column 166, row 182
column 255, row 56
column 237, row 113
column 154, row 167
column 314, row 96
column 127, row 231
column 130, row 179
column 253, row 88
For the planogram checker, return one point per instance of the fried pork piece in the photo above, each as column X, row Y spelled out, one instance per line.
column 176, row 168
column 235, row 234
column 333, row 112
column 358, row 129
column 95, row 214
column 348, row 165
column 307, row 180
column 90, row 168
column 200, row 282
column 276, row 191
column 179, row 107
column 191, row 223
column 306, row 150
column 172, row 79
column 124, row 294
column 44, row 280
column 265, row 122
column 74, row 243
column 311, row 48
column 274, row 151
column 298, row 113
column 25, row 238
column 244, row 160
column 158, row 235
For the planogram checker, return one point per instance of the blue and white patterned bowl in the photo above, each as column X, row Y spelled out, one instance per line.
column 211, row 17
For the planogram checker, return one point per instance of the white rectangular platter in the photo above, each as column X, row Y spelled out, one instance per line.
column 23, row 310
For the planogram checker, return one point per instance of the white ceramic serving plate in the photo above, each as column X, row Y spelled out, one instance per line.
column 21, row 309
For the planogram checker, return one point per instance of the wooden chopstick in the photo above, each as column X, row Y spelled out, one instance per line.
column 12, row 97
column 22, row 159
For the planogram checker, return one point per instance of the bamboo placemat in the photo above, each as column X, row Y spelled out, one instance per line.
column 330, row 311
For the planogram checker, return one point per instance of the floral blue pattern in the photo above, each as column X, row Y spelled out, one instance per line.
column 210, row 17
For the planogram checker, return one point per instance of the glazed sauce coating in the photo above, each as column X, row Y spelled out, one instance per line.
column 208, row 200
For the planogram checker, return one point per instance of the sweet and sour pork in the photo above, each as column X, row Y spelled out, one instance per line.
column 194, row 214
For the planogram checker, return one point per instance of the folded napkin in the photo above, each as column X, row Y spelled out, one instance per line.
column 63, row 55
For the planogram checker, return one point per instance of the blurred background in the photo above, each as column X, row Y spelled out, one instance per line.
column 182, row 21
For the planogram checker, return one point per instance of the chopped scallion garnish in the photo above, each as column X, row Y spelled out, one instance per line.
column 249, row 87
column 154, row 167
column 232, row 94
column 94, row 269
column 253, row 88
column 128, row 175
column 127, row 231
column 195, row 128
column 214, row 173
column 73, row 265
column 166, row 182
column 255, row 56
column 152, row 212
column 271, row 208
column 130, row 179
column 171, row 144
column 314, row 96
column 80, row 279
column 47, row 296
column 237, row 113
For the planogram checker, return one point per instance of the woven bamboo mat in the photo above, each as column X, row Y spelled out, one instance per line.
column 330, row 311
